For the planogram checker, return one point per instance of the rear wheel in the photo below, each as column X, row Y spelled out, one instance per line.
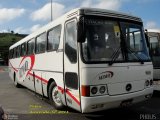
column 54, row 96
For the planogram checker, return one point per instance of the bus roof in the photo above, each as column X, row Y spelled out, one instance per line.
column 75, row 12
column 153, row 30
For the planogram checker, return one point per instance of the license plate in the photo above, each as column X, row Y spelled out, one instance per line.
column 126, row 103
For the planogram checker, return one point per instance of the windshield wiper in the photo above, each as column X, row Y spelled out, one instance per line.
column 114, row 56
column 141, row 61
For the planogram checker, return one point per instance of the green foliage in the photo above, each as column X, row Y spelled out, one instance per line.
column 6, row 40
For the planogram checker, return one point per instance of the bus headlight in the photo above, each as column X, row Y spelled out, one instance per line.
column 102, row 89
column 94, row 90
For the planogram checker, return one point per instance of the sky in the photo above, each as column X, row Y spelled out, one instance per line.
column 26, row 16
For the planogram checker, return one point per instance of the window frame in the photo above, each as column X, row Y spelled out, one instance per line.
column 65, row 28
column 50, row 50
column 11, row 53
column 18, row 51
column 36, row 43
column 34, row 40
column 25, row 49
column 14, row 52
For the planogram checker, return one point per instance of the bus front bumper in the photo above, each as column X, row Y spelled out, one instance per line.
column 98, row 103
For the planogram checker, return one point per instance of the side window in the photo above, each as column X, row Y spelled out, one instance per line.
column 54, row 38
column 18, row 51
column 11, row 53
column 31, row 46
column 14, row 53
column 135, row 39
column 41, row 43
column 71, row 80
column 71, row 41
column 23, row 49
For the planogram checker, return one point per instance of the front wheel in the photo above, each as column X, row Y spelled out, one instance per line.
column 54, row 96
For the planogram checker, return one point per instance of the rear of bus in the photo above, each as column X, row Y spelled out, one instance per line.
column 114, row 64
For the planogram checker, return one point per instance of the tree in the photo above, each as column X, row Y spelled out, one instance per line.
column 12, row 32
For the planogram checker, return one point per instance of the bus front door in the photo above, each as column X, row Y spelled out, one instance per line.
column 71, row 66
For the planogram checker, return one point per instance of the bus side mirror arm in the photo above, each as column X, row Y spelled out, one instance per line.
column 146, row 37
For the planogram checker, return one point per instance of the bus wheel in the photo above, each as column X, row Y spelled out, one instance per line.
column 54, row 96
column 15, row 82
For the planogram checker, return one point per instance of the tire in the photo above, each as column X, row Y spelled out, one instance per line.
column 16, row 84
column 54, row 96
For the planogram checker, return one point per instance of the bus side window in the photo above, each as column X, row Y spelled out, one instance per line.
column 53, row 38
column 41, row 43
column 31, row 46
column 23, row 49
column 14, row 53
column 18, row 51
column 11, row 54
column 71, row 42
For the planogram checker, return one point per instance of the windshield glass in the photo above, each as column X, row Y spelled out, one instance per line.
column 103, row 41
column 135, row 42
column 154, row 40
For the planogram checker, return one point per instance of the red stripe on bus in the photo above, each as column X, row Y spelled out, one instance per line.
column 61, row 89
column 16, row 70
column 68, row 93
column 44, row 80
column 40, row 78
column 32, row 57
column 75, row 99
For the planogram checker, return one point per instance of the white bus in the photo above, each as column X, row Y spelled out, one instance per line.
column 154, row 45
column 88, row 59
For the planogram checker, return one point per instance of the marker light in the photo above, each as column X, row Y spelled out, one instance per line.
column 102, row 89
column 94, row 90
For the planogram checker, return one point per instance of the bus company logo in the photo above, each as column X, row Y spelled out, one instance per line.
column 23, row 69
column 26, row 65
column 106, row 74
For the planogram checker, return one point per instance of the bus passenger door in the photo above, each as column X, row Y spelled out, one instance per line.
column 71, row 74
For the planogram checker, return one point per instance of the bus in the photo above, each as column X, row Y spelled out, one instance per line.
column 88, row 59
column 153, row 36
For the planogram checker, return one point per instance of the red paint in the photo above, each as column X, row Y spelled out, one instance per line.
column 32, row 57
column 38, row 77
column 13, row 67
column 75, row 99
column 68, row 93
column 61, row 89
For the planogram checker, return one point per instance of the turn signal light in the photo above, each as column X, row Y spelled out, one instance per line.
column 85, row 91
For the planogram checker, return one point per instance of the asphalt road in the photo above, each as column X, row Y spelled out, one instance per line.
column 22, row 104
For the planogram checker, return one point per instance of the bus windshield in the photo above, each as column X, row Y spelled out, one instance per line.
column 106, row 40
